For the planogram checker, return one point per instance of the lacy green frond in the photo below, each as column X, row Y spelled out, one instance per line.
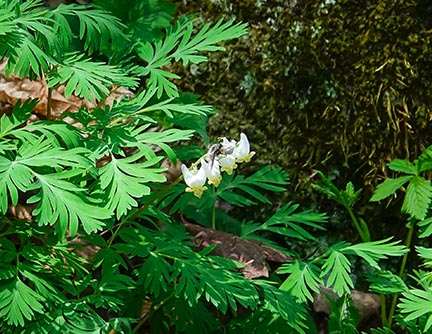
column 124, row 180
column 337, row 270
column 21, row 113
column 289, row 223
column 415, row 303
column 88, row 79
column 373, row 251
column 206, row 40
column 97, row 28
column 63, row 203
column 30, row 61
column 304, row 278
column 18, row 302
column 243, row 191
column 187, row 48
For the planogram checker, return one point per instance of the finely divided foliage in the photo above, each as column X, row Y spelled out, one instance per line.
column 91, row 233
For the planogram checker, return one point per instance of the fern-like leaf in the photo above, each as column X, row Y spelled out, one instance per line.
column 418, row 197
column 19, row 303
column 88, row 79
column 373, row 251
column 63, row 202
column 6, row 24
column 206, row 40
column 338, row 268
column 161, row 53
column 416, row 303
column 99, row 29
column 239, row 190
column 385, row 282
column 304, row 277
column 289, row 223
column 389, row 187
column 123, row 180
column 343, row 317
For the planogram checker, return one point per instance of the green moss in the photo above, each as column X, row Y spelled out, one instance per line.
column 347, row 83
column 343, row 86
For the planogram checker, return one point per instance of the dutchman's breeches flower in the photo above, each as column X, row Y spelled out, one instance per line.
column 227, row 164
column 195, row 179
column 242, row 150
column 221, row 157
column 228, row 147
column 212, row 172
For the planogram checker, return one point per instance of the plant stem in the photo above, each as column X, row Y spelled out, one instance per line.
column 213, row 218
column 147, row 316
column 384, row 319
column 49, row 104
column 364, row 236
column 402, row 270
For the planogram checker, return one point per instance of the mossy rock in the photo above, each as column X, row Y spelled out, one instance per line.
column 340, row 86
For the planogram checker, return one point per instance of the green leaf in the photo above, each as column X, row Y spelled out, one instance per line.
column 403, row 166
column 344, row 316
column 389, row 187
column 338, row 268
column 18, row 303
column 386, row 283
column 282, row 304
column 57, row 132
column 206, row 39
column 418, row 197
column 64, row 203
column 161, row 53
column 99, row 29
column 13, row 178
column 161, row 138
column 88, row 79
column 426, row 254
column 168, row 107
column 31, row 60
column 344, row 197
column 304, row 277
column 372, row 251
column 190, row 286
column 6, row 25
column 289, row 223
column 425, row 227
column 267, row 178
column 416, row 303
column 124, row 180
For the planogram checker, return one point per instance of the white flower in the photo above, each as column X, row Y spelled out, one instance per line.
column 242, row 150
column 228, row 163
column 212, row 172
column 228, row 146
column 195, row 179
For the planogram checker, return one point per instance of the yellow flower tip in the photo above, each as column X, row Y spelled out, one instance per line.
column 246, row 158
column 197, row 191
column 229, row 169
column 215, row 181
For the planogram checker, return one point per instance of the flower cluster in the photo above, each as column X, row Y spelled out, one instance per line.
column 221, row 157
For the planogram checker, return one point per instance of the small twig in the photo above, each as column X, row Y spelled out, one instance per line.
column 49, row 104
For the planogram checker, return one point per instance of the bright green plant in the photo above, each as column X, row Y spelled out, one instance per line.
column 413, row 313
column 105, row 249
column 416, row 203
column 346, row 198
